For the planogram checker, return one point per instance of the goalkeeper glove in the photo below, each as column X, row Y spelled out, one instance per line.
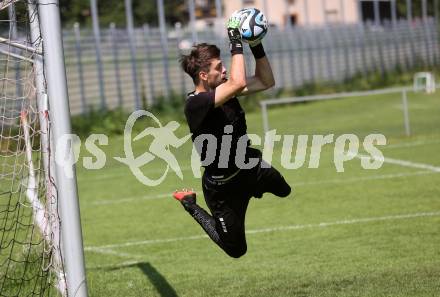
column 233, row 27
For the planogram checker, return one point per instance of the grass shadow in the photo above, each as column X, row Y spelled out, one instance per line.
column 157, row 279
column 162, row 286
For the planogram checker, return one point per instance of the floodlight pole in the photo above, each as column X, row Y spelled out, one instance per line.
column 376, row 12
column 218, row 8
column 164, row 44
column 359, row 11
column 436, row 10
column 306, row 13
column 288, row 19
column 342, row 11
column 266, row 9
column 78, row 48
column 112, row 29
column 409, row 10
column 132, row 39
column 97, row 37
column 192, row 18
column 60, row 117
column 151, row 92
column 178, row 29
column 324, row 13
column 393, row 13
column 424, row 10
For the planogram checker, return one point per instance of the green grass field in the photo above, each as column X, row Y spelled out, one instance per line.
column 357, row 233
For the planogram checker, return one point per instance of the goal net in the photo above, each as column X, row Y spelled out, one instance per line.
column 30, row 254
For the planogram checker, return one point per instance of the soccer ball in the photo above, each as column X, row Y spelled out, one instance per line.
column 254, row 25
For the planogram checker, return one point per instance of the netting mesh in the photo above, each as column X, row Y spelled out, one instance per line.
column 29, row 232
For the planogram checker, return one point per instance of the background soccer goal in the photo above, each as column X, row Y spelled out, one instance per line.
column 39, row 256
column 397, row 104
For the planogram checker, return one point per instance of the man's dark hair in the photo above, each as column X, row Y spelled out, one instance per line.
column 199, row 59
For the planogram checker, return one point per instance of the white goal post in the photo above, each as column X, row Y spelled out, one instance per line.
column 403, row 93
column 424, row 81
column 41, row 240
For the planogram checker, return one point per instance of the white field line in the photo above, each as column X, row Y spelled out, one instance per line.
column 144, row 242
column 366, row 178
column 411, row 144
column 413, row 106
column 399, row 162
column 99, row 249
column 295, row 184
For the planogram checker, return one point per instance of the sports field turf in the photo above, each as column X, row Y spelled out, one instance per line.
column 357, row 233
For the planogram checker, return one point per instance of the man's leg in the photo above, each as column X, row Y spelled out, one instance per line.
column 229, row 215
column 206, row 221
column 266, row 178
column 270, row 180
column 225, row 227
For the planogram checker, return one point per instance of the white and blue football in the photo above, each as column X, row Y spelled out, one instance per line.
column 253, row 26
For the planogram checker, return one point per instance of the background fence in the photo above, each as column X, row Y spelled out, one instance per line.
column 142, row 70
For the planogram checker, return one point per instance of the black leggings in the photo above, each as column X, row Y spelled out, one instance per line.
column 228, row 203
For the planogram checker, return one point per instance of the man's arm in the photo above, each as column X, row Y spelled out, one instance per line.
column 263, row 78
column 237, row 76
column 235, row 84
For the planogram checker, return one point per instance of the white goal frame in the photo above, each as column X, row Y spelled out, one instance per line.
column 403, row 91
column 71, row 233
column 424, row 81
column 54, row 123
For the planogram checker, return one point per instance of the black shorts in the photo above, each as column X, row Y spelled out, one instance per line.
column 228, row 201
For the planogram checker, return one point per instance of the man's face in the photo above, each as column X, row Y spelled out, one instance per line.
column 216, row 74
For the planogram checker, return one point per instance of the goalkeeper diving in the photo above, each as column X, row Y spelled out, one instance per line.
column 213, row 108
